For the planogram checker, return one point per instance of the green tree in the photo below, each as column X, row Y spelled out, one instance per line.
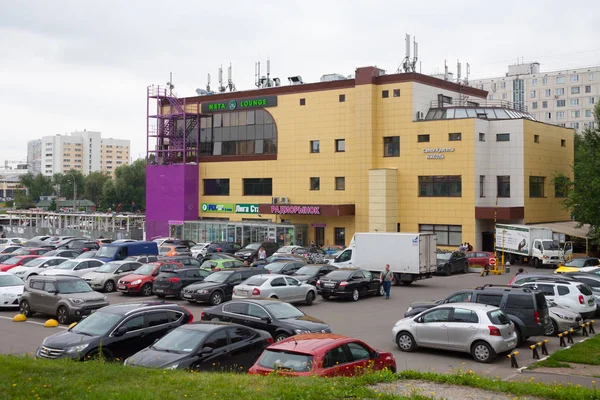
column 130, row 185
column 94, row 185
column 109, row 196
column 52, row 206
column 37, row 185
column 66, row 187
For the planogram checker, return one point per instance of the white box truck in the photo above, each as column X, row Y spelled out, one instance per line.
column 522, row 243
column 412, row 256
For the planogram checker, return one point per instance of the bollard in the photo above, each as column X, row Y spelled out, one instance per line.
column 544, row 348
column 561, row 336
column 513, row 359
column 584, row 331
column 591, row 326
column 570, row 336
column 536, row 355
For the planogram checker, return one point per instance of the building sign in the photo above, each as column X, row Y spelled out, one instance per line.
column 300, row 210
column 240, row 104
column 246, row 208
column 437, row 153
column 217, row 208
column 175, row 222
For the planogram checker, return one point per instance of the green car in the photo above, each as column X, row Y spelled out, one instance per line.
column 217, row 265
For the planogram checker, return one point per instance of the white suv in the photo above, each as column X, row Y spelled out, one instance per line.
column 575, row 296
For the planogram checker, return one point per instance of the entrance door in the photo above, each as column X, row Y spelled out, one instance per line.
column 487, row 241
column 319, row 236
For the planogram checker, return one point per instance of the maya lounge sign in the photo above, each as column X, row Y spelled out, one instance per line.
column 239, row 104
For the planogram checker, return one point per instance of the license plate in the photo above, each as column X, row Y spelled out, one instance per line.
column 591, row 302
column 187, row 296
column 158, row 290
column 329, row 284
column 122, row 287
column 242, row 291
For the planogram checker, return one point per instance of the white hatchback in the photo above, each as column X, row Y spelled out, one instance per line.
column 575, row 296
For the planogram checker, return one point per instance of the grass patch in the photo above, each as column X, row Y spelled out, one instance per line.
column 587, row 352
column 530, row 388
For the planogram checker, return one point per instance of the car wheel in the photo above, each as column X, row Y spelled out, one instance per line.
column 25, row 308
column 519, row 336
column 310, row 297
column 281, row 336
column 326, row 296
column 536, row 262
column 109, row 286
column 447, row 270
column 465, row 268
column 381, row 291
column 482, row 352
column 62, row 315
column 216, row 298
column 355, row 295
column 180, row 295
column 405, row 342
column 552, row 330
column 147, row 289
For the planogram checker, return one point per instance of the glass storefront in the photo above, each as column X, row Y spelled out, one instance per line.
column 244, row 232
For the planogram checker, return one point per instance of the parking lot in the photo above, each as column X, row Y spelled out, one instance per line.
column 370, row 319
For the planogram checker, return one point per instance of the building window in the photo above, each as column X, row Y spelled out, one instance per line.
column 423, row 138
column 339, row 236
column 560, row 79
column 588, row 113
column 563, row 143
column 534, row 105
column 536, row 186
column 503, row 85
column 302, row 102
column 503, row 137
column 315, row 183
column 391, row 146
column 503, row 186
column 447, row 235
column 575, row 90
column 481, row 137
column 504, row 96
column 258, row 187
column 560, row 91
column 440, row 186
column 574, row 78
column 342, row 98
column 560, row 187
column 574, row 102
column 481, row 185
column 536, row 138
column 216, row 187
column 340, row 183
column 588, row 89
column 314, row 146
column 340, row 145
column 455, row 137
column 385, row 94
column 396, row 92
column 548, row 115
column 591, row 100
column 544, row 104
column 560, row 115
column 576, row 114
column 532, row 94
column 534, row 82
column 548, row 92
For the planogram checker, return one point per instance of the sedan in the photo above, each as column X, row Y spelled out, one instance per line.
column 311, row 273
column 284, row 267
column 274, row 286
column 350, row 283
column 75, row 268
column 280, row 319
column 106, row 277
column 449, row 262
column 11, row 289
column 26, row 251
column 479, row 329
column 62, row 253
column 15, row 261
column 172, row 282
column 562, row 319
column 205, row 346
column 322, row 354
column 10, row 249
column 36, row 266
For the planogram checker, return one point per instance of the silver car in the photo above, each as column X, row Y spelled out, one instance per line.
column 562, row 319
column 36, row 266
column 479, row 329
column 74, row 268
column 275, row 286
column 106, row 277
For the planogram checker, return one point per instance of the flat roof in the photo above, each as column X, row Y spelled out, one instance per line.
column 571, row 228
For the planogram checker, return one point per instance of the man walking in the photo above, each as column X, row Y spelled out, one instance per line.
column 386, row 279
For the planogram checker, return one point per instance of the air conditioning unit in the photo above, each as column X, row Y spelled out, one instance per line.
column 284, row 200
column 420, row 115
column 274, row 200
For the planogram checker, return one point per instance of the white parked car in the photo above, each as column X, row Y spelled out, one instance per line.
column 36, row 266
column 11, row 289
column 4, row 242
column 275, row 286
column 75, row 267
column 8, row 249
column 574, row 296
column 479, row 329
column 199, row 250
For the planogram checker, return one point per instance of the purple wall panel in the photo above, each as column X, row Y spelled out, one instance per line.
column 171, row 194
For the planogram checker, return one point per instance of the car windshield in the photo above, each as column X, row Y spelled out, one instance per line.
column 285, row 250
column 218, row 277
column 35, row 262
column 274, row 359
column 87, row 254
column 283, row 310
column 576, row 263
column 181, row 340
column 253, row 246
column 198, row 247
column 73, row 286
column 341, row 275
column 256, row 280
column 109, row 267
column 311, row 271
column 10, row 280
column 550, row 245
column 22, row 251
column 275, row 267
column 97, row 324
column 145, row 269
column 12, row 260
column 107, row 251
column 444, row 256
column 68, row 265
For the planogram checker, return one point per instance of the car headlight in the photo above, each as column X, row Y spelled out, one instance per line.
column 136, row 282
column 77, row 349
column 172, row 366
column 203, row 291
column 301, row 331
column 76, row 301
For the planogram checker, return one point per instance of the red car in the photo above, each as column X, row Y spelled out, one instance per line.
column 321, row 354
column 34, row 251
column 15, row 262
column 142, row 279
column 481, row 258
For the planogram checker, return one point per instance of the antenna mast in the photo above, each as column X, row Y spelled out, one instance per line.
column 257, row 74
column 221, row 87
column 230, row 83
column 208, row 83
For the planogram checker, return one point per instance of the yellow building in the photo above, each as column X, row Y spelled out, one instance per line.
column 401, row 152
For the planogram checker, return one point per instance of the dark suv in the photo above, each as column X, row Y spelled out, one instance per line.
column 250, row 252
column 223, row 247
column 526, row 308
column 218, row 286
column 116, row 331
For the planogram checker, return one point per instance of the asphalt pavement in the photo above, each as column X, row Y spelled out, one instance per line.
column 369, row 319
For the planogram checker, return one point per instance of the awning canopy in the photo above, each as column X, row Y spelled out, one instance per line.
column 567, row 227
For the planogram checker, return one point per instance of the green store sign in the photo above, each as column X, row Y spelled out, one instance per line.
column 230, row 208
column 240, row 104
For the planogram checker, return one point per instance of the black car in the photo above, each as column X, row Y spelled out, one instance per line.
column 279, row 318
column 218, row 286
column 526, row 308
column 311, row 273
column 223, row 247
column 115, row 331
column 172, row 282
column 74, row 244
column 62, row 253
column 449, row 262
column 250, row 252
column 186, row 261
column 349, row 282
column 205, row 346
column 284, row 267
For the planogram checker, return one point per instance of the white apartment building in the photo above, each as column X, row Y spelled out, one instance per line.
column 564, row 97
column 34, row 155
column 83, row 151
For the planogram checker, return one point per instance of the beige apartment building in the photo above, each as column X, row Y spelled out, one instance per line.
column 85, row 151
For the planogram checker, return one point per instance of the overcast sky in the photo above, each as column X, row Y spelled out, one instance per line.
column 74, row 65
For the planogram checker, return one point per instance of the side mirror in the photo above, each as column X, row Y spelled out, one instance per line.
column 156, row 273
column 266, row 319
column 206, row 350
column 53, row 292
column 121, row 331
column 419, row 320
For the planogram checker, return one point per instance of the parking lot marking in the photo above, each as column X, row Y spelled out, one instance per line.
column 31, row 322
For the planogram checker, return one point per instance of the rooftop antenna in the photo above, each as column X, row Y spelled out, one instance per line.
column 257, row 82
column 405, row 66
column 230, row 83
column 458, row 68
column 415, row 55
column 170, row 84
column 445, row 71
column 208, row 83
column 221, row 87
column 468, row 73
